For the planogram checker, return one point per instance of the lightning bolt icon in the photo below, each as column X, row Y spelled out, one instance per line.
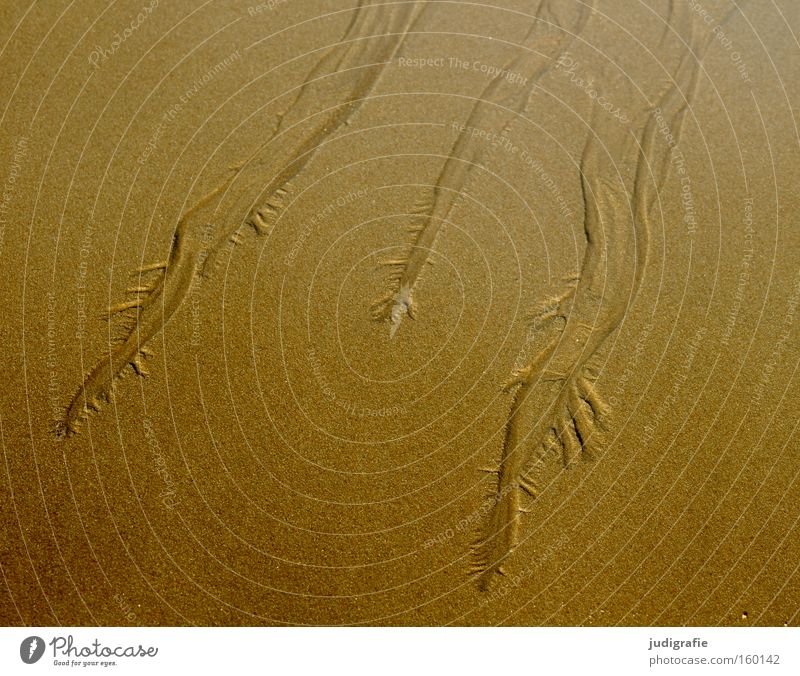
column 32, row 648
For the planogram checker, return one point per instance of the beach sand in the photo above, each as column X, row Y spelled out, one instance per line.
column 297, row 178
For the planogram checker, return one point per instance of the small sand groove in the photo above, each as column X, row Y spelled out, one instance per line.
column 557, row 386
column 497, row 108
column 383, row 28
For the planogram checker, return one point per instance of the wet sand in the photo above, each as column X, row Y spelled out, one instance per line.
column 401, row 313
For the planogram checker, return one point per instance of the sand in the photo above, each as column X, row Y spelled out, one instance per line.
column 400, row 314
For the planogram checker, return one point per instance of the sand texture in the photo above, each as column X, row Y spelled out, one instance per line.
column 400, row 313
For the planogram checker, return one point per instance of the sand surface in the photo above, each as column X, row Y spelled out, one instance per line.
column 403, row 296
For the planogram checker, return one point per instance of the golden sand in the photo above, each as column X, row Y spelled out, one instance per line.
column 400, row 313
